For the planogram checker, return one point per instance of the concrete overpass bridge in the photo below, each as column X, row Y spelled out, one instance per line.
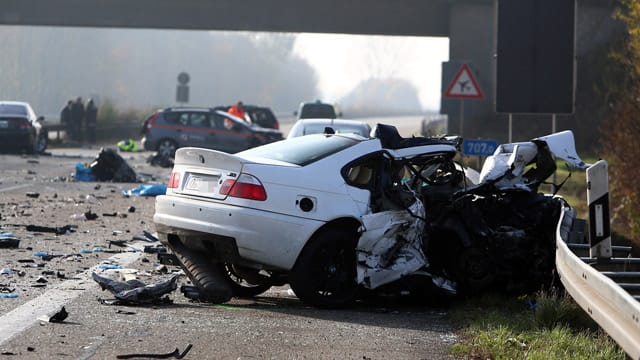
column 469, row 24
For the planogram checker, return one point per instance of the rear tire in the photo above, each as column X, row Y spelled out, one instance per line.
column 204, row 274
column 42, row 142
column 325, row 273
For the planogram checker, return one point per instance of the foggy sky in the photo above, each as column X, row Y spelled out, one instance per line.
column 138, row 69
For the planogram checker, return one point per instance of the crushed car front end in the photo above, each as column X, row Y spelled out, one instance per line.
column 341, row 217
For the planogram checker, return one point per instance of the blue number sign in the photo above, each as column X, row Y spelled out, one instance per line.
column 479, row 147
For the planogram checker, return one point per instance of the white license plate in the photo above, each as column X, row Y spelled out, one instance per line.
column 4, row 124
column 201, row 183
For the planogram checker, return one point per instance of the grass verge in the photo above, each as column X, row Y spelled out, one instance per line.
column 544, row 326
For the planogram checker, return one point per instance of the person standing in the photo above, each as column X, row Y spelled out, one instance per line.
column 77, row 118
column 65, row 119
column 237, row 110
column 91, row 116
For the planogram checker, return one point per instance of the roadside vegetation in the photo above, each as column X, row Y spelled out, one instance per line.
column 547, row 325
column 621, row 130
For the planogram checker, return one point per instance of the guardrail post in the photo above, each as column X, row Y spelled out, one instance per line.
column 598, row 200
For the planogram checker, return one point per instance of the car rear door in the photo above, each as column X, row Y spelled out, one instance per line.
column 230, row 136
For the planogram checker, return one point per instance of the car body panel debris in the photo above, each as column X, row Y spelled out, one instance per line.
column 333, row 214
column 136, row 292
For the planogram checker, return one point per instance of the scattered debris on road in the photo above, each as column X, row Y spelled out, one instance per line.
column 135, row 292
column 57, row 317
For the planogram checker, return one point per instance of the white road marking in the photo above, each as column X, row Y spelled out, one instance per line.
column 26, row 315
column 11, row 188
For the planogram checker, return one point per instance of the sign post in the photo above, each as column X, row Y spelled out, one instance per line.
column 463, row 86
column 182, row 90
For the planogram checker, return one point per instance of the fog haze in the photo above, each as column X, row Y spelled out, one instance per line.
column 47, row 66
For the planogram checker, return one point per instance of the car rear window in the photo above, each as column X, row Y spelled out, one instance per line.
column 317, row 111
column 13, row 109
column 302, row 150
column 339, row 129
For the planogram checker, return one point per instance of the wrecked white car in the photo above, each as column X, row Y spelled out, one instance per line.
column 339, row 217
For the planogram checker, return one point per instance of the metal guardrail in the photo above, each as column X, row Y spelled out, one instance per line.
column 607, row 288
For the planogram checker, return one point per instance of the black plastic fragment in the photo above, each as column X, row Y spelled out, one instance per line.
column 48, row 229
column 9, row 243
column 175, row 354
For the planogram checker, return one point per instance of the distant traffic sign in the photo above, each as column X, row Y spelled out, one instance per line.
column 464, row 86
column 479, row 147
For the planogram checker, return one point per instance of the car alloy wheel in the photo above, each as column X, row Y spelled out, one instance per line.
column 325, row 273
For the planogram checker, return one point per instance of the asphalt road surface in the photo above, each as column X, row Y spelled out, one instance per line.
column 40, row 191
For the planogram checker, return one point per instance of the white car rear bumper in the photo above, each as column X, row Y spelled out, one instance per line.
column 264, row 237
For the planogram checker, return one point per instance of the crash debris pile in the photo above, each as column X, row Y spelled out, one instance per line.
column 107, row 166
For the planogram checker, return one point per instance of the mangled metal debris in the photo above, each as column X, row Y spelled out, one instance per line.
column 136, row 292
column 390, row 246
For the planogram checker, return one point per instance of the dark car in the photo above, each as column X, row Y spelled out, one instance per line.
column 259, row 115
column 170, row 129
column 20, row 129
column 316, row 110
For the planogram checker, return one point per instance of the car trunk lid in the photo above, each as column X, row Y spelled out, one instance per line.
column 201, row 172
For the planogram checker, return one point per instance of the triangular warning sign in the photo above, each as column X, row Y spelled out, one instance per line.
column 464, row 86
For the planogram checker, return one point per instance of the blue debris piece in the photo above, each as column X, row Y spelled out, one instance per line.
column 146, row 190
column 83, row 173
column 109, row 266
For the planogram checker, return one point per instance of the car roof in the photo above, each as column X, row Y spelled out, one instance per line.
column 8, row 108
column 8, row 102
column 194, row 108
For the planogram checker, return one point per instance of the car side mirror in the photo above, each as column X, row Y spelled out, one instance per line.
column 40, row 118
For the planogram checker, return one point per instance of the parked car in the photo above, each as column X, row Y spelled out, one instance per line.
column 316, row 110
column 21, row 129
column 340, row 217
column 259, row 115
column 337, row 126
column 170, row 129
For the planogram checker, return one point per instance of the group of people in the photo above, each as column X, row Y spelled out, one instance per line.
column 80, row 120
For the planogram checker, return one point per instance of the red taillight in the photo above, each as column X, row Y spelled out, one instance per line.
column 152, row 120
column 174, row 180
column 246, row 187
column 276, row 126
column 26, row 125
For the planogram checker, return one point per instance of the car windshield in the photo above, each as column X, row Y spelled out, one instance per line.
column 12, row 109
column 302, row 150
